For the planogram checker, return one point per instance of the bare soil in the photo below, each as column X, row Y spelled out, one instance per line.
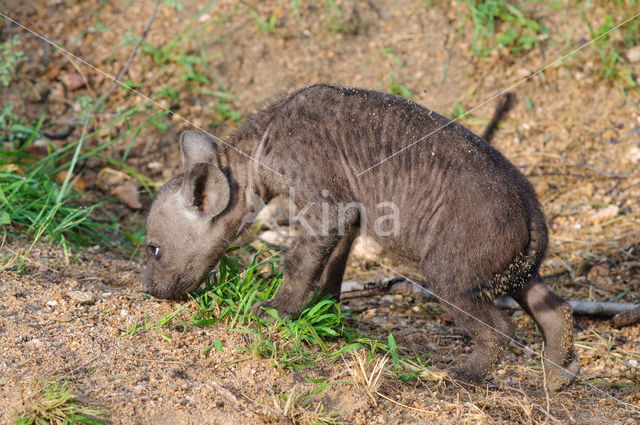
column 577, row 137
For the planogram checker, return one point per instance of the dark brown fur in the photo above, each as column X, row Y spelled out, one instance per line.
column 467, row 216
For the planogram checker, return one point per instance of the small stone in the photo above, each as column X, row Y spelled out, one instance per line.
column 72, row 81
column 634, row 154
column 633, row 54
column 52, row 303
column 35, row 342
column 83, row 298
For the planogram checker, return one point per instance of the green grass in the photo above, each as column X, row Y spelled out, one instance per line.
column 10, row 57
column 396, row 86
column 53, row 403
column 339, row 21
column 32, row 200
column 613, row 66
column 193, row 62
column 38, row 199
column 319, row 334
column 267, row 24
column 499, row 22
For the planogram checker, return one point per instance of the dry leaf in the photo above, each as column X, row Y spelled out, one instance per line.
column 79, row 184
column 128, row 194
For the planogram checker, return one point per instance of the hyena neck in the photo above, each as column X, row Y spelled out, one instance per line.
column 239, row 160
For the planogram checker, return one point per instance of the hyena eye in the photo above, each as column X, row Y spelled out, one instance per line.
column 153, row 250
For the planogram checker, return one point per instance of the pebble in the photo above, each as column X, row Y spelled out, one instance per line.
column 633, row 54
column 634, row 154
column 83, row 298
column 72, row 81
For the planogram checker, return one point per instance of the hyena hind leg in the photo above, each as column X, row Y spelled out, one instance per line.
column 490, row 330
column 555, row 319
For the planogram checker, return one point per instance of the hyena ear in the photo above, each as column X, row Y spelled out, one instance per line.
column 197, row 147
column 205, row 188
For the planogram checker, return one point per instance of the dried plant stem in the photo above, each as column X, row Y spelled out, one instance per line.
column 125, row 68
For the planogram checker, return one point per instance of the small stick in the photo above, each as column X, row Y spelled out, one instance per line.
column 399, row 285
column 125, row 68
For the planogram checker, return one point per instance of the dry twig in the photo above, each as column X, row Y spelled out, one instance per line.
column 125, row 68
column 400, row 285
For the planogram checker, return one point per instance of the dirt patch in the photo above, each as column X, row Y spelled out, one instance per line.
column 171, row 374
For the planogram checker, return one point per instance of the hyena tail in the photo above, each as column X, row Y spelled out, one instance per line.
column 525, row 265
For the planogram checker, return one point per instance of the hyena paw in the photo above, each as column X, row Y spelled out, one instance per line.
column 467, row 375
column 260, row 309
column 558, row 378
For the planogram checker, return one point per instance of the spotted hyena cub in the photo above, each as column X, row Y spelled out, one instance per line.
column 360, row 161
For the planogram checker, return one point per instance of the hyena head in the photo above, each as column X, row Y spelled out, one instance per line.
column 190, row 225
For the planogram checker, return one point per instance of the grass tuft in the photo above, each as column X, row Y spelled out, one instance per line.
column 10, row 57
column 497, row 22
column 367, row 373
column 53, row 403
